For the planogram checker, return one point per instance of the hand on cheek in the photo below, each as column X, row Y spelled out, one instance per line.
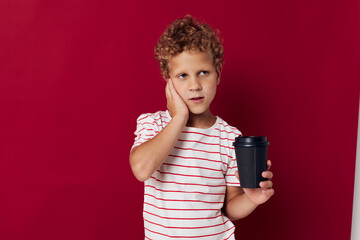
column 175, row 104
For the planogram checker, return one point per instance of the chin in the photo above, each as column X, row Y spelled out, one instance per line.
column 197, row 111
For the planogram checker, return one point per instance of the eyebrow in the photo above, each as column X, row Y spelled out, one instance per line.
column 201, row 70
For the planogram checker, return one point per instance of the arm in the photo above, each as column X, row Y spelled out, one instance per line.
column 237, row 205
column 149, row 156
column 240, row 202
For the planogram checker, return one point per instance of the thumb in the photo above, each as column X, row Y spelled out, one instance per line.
column 237, row 175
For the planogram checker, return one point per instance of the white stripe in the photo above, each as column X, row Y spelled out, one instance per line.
column 355, row 228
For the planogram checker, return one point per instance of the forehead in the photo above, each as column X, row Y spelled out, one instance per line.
column 191, row 60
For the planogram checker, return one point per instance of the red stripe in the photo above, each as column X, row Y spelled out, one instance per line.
column 209, row 135
column 209, row 235
column 182, row 209
column 148, row 129
column 143, row 118
column 152, row 130
column 188, row 175
column 187, row 227
column 177, row 165
column 229, row 236
column 142, row 140
column 199, row 150
column 205, row 159
column 155, row 119
column 233, row 183
column 140, row 136
column 227, row 125
column 154, row 123
column 220, row 215
column 179, row 200
column 234, row 129
column 139, row 131
column 196, row 184
column 224, row 131
column 212, row 144
column 206, row 193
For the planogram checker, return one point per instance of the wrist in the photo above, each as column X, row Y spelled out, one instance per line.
column 180, row 119
column 251, row 201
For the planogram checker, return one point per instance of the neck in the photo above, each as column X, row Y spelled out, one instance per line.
column 204, row 120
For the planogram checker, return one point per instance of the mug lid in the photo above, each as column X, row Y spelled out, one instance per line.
column 250, row 141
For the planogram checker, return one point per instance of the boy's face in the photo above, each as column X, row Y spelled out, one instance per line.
column 195, row 79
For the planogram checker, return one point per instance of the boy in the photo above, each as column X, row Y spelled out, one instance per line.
column 185, row 154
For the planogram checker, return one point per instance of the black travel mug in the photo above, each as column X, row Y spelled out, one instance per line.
column 251, row 154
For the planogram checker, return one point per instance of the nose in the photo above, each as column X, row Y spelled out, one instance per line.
column 194, row 84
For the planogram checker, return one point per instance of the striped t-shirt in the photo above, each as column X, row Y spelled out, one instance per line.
column 184, row 197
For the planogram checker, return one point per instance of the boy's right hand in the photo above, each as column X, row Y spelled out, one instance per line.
column 175, row 104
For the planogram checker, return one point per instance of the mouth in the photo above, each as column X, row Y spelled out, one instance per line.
column 197, row 99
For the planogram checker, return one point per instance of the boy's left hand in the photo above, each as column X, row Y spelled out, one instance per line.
column 262, row 194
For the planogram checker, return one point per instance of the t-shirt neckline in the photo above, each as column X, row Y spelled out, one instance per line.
column 195, row 128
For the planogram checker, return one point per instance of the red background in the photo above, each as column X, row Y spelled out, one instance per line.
column 75, row 75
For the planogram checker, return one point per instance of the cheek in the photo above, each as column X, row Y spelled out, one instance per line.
column 212, row 89
column 180, row 90
column 182, row 95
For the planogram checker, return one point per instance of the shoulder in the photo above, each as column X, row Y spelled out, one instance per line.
column 153, row 116
column 226, row 128
column 159, row 118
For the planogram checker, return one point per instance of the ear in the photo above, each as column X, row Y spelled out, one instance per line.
column 218, row 76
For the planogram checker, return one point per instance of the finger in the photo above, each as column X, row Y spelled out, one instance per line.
column 174, row 94
column 171, row 86
column 268, row 192
column 167, row 89
column 268, row 163
column 172, row 89
column 266, row 184
column 237, row 175
column 267, row 174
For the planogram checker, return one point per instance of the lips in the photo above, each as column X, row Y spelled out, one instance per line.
column 197, row 99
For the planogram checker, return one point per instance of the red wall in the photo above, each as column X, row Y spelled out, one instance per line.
column 74, row 76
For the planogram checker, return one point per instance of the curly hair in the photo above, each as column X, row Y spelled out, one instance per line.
column 188, row 34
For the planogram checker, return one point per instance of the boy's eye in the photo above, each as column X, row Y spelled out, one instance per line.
column 203, row 73
column 182, row 76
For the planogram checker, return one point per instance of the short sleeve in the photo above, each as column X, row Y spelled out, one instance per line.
column 230, row 177
column 146, row 129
